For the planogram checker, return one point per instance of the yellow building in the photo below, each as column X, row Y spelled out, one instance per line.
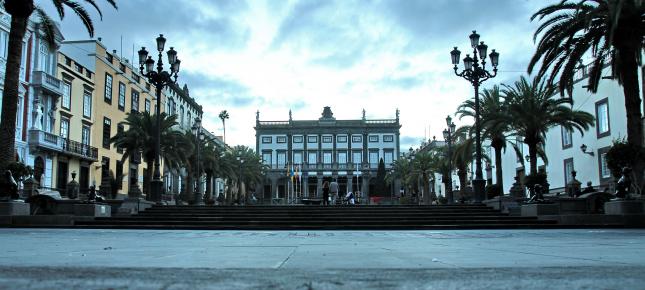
column 74, row 124
column 118, row 90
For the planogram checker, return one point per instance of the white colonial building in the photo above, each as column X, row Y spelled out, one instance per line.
column 324, row 149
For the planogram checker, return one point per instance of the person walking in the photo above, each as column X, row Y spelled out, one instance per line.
column 333, row 190
column 326, row 193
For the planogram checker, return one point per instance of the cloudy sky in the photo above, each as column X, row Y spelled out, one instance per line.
column 273, row 55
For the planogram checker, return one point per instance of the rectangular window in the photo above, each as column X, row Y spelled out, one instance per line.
column 357, row 139
column 388, row 157
column 357, row 157
column 568, row 168
column 604, row 169
column 122, row 67
column 297, row 139
column 109, row 57
column 267, row 139
column 281, row 139
column 78, row 68
column 147, row 106
column 602, row 118
column 341, row 138
column 68, row 61
column 85, row 135
column 282, row 158
column 119, row 129
column 67, row 91
column 105, row 167
column 119, row 172
column 107, row 127
column 312, row 158
column 297, row 157
column 373, row 138
column 121, row 96
column 312, row 139
column 266, row 158
column 342, row 157
column 327, row 157
column 136, row 77
column 135, row 101
column 326, row 139
column 108, row 88
column 88, row 74
column 373, row 158
column 388, row 138
column 64, row 127
column 87, row 104
column 567, row 140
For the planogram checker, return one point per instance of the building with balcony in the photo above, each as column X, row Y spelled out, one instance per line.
column 25, row 95
column 114, row 89
column 325, row 149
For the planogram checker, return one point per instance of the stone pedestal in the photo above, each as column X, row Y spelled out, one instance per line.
column 538, row 209
column 572, row 206
column 92, row 209
column 131, row 206
column 508, row 203
column 622, row 207
column 14, row 208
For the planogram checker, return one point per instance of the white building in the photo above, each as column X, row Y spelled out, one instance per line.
column 563, row 148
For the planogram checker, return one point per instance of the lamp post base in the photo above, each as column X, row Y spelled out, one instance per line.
column 479, row 188
column 156, row 189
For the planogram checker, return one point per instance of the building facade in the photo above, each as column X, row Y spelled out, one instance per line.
column 118, row 89
column 188, row 111
column 325, row 149
column 564, row 148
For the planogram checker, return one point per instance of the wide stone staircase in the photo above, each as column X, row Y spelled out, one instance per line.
column 319, row 218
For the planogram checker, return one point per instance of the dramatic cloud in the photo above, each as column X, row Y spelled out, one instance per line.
column 276, row 56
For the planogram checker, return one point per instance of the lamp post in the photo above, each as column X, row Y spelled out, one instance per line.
column 448, row 136
column 196, row 128
column 159, row 78
column 239, row 188
column 476, row 74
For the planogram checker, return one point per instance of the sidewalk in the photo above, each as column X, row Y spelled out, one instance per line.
column 481, row 259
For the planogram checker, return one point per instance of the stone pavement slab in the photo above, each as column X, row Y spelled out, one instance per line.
column 468, row 259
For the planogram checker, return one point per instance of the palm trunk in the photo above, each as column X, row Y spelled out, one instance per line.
column 629, row 76
column 224, row 127
column 462, row 174
column 149, row 173
column 498, row 169
column 533, row 158
column 209, row 186
column 426, row 189
column 12, row 81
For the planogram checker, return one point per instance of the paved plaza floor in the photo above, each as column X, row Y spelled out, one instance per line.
column 468, row 259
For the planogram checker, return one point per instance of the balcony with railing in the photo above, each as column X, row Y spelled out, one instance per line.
column 325, row 167
column 52, row 142
column 47, row 82
column 80, row 150
column 44, row 140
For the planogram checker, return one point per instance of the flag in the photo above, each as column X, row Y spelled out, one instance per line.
column 296, row 174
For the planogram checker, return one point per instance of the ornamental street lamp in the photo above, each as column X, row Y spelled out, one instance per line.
column 448, row 137
column 196, row 128
column 476, row 74
column 158, row 78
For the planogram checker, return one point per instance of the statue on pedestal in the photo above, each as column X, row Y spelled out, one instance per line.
column 624, row 184
column 8, row 187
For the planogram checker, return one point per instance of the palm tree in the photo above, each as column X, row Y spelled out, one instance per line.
column 20, row 11
column 249, row 169
column 425, row 164
column 140, row 139
column 223, row 115
column 612, row 30
column 546, row 111
column 400, row 171
column 495, row 125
